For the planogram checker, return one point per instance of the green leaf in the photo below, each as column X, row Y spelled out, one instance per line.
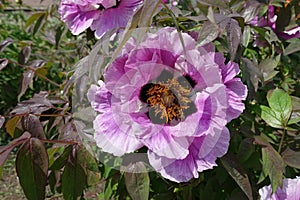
column 246, row 36
column 295, row 116
column 58, row 34
column 291, row 158
column 293, row 47
column 61, row 160
column 33, row 18
column 280, row 109
column 271, row 117
column 267, row 67
column 273, row 166
column 89, row 163
column 38, row 24
column 74, row 179
column 281, row 102
column 238, row 173
column 217, row 3
column 86, row 159
column 137, row 181
column 32, row 168
column 246, row 149
column 1, row 171
column 252, row 74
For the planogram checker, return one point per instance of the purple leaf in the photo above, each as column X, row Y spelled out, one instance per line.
column 5, row 43
column 208, row 33
column 36, row 105
column 24, row 55
column 238, row 173
column 2, row 120
column 26, row 81
column 233, row 37
column 3, row 63
column 32, row 124
column 291, row 158
column 5, row 150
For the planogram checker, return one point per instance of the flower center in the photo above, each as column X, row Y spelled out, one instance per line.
column 169, row 99
column 108, row 5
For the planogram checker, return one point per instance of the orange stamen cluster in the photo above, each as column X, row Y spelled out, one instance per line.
column 168, row 100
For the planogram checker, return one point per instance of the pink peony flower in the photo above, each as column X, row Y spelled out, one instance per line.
column 289, row 191
column 99, row 15
column 270, row 21
column 175, row 105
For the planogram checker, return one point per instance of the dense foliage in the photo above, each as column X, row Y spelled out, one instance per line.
column 46, row 119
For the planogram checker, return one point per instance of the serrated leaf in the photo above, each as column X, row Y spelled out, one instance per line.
column 233, row 37
column 137, row 181
column 238, row 173
column 11, row 124
column 291, row 158
column 208, row 33
column 32, row 124
column 280, row 102
column 5, row 43
column 271, row 117
column 32, row 168
column 73, row 180
column 3, row 63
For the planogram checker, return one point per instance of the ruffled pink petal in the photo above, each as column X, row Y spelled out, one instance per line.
column 172, row 169
column 213, row 146
column 99, row 97
column 203, row 153
column 164, row 144
column 289, row 191
column 111, row 138
column 78, row 16
column 114, row 17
